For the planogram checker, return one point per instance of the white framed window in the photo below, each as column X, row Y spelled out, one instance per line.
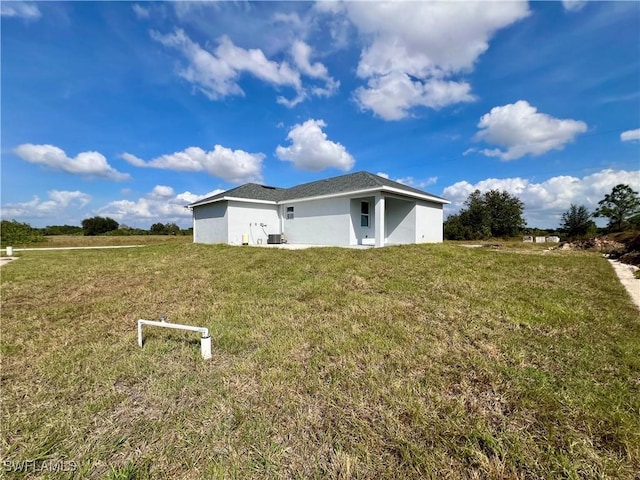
column 364, row 214
column 289, row 213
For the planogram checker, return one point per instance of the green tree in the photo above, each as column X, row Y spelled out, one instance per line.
column 505, row 213
column 492, row 214
column 98, row 225
column 158, row 229
column 61, row 230
column 164, row 229
column 619, row 206
column 172, row 229
column 476, row 217
column 13, row 232
column 455, row 228
column 576, row 222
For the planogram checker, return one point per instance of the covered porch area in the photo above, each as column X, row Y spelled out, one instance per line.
column 383, row 219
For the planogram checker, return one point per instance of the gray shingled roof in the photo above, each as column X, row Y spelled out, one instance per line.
column 330, row 186
column 346, row 183
column 251, row 191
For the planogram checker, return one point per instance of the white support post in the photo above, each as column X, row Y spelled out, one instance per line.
column 205, row 347
column 140, row 333
column 205, row 338
column 379, row 225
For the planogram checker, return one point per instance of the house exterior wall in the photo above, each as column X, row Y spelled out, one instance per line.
column 210, row 223
column 325, row 221
column 400, row 222
column 245, row 218
column 359, row 235
column 429, row 222
column 318, row 222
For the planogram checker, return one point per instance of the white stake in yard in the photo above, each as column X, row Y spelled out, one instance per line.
column 205, row 338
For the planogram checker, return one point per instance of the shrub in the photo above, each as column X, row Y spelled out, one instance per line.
column 13, row 232
column 98, row 225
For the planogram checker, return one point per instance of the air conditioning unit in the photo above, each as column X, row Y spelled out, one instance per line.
column 274, row 238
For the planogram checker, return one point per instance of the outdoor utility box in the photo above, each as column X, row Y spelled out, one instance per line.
column 274, row 238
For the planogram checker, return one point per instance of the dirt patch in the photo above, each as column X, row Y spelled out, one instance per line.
column 600, row 244
column 631, row 252
column 628, row 252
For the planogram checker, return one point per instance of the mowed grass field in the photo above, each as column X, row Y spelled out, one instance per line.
column 431, row 361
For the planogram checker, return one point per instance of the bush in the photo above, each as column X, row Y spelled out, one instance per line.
column 127, row 232
column 13, row 232
column 61, row 230
column 492, row 214
column 577, row 223
column 98, row 225
column 165, row 229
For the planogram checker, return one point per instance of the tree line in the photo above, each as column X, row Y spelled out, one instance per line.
column 13, row 232
column 490, row 214
column 496, row 214
column 108, row 226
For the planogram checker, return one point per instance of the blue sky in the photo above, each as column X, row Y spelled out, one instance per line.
column 133, row 110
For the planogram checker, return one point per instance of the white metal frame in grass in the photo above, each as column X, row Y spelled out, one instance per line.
column 205, row 338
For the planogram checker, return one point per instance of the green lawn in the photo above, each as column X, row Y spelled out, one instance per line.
column 431, row 361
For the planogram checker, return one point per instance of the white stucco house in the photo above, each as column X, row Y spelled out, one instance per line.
column 355, row 209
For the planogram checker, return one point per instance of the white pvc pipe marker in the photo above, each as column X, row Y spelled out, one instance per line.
column 205, row 338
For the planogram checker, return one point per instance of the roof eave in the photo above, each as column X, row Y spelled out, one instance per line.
column 235, row 199
column 425, row 196
column 382, row 188
column 331, row 195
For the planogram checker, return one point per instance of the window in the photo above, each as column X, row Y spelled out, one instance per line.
column 364, row 214
column 289, row 213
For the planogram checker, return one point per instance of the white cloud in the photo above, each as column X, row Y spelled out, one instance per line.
column 630, row 135
column 392, row 96
column 301, row 53
column 211, row 75
column 415, row 50
column 26, row 10
column 162, row 205
column 292, row 20
column 216, row 73
column 311, row 150
column 235, row 166
column 256, row 63
column 546, row 201
column 59, row 201
column 336, row 23
column 522, row 130
column 162, row 191
column 92, row 164
column 412, row 182
column 140, row 11
column 573, row 5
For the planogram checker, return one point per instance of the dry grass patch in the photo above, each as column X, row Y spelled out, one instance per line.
column 404, row 362
column 53, row 241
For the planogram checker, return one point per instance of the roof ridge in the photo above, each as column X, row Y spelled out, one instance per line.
column 355, row 181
